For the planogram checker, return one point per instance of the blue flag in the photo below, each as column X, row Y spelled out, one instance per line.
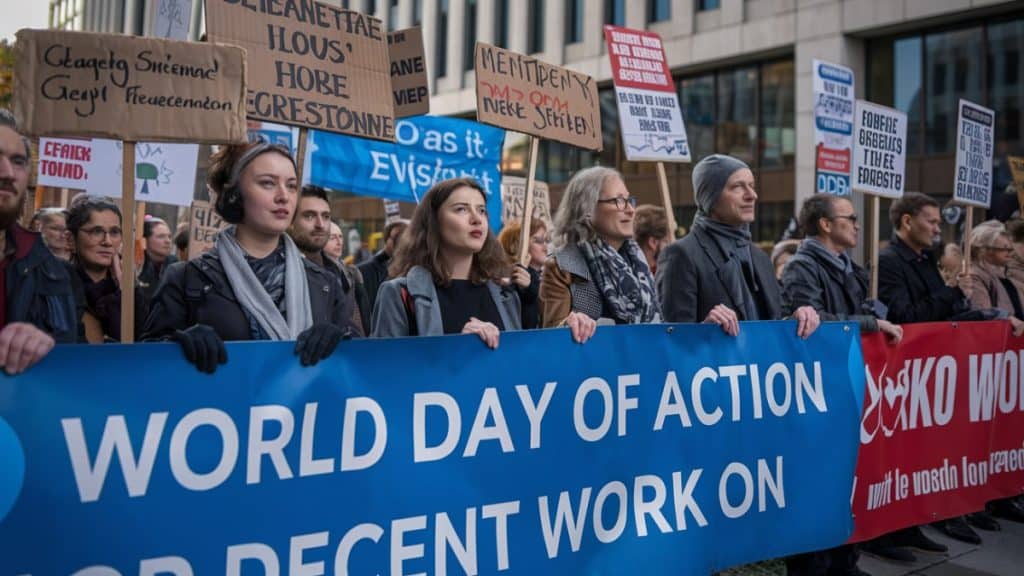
column 660, row 449
column 428, row 149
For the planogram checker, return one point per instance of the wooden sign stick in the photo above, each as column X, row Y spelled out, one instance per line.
column 531, row 179
column 666, row 200
column 300, row 160
column 128, row 255
column 876, row 236
column 968, row 226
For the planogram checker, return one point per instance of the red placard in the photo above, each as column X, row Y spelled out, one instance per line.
column 833, row 160
column 942, row 431
column 638, row 59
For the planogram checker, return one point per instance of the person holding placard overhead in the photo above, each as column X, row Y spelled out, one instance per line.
column 597, row 271
column 254, row 284
column 446, row 271
column 38, row 307
column 715, row 274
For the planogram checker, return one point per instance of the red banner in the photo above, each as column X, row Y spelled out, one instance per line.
column 943, row 426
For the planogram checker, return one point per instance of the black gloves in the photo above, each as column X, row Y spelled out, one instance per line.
column 202, row 347
column 319, row 342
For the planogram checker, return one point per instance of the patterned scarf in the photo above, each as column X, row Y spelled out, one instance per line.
column 624, row 281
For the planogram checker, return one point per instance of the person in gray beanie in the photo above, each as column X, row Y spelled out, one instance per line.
column 714, row 274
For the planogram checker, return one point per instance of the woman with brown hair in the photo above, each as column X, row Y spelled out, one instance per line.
column 254, row 284
column 526, row 279
column 446, row 272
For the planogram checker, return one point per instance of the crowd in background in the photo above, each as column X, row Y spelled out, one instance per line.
column 276, row 273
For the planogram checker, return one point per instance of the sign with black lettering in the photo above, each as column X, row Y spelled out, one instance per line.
column 522, row 93
column 513, row 200
column 206, row 223
column 879, row 150
column 975, row 129
column 409, row 81
column 311, row 64
column 123, row 87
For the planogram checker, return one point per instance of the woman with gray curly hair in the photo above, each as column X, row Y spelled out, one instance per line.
column 597, row 269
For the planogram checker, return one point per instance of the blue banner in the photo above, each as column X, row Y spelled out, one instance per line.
column 660, row 449
column 428, row 149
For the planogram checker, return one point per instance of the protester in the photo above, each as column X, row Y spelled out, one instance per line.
column 53, row 229
column 651, row 233
column 991, row 249
column 95, row 235
column 334, row 248
column 446, row 271
column 310, row 231
column 909, row 282
column 714, row 274
column 38, row 307
column 951, row 263
column 254, row 284
column 1015, row 269
column 181, row 236
column 781, row 254
column 375, row 270
column 157, row 256
column 597, row 271
column 526, row 279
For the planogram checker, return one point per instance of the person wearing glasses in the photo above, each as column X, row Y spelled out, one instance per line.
column 53, row 230
column 597, row 270
column 254, row 284
column 526, row 279
column 715, row 274
column 823, row 276
column 95, row 236
column 989, row 285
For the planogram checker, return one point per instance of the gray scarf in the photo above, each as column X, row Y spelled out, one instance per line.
column 254, row 298
column 624, row 280
column 734, row 244
column 841, row 262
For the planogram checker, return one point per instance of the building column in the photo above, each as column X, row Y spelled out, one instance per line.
column 518, row 20
column 554, row 32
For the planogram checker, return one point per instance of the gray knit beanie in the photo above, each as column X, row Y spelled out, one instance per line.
column 710, row 176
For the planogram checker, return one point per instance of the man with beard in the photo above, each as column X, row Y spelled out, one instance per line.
column 310, row 231
column 37, row 305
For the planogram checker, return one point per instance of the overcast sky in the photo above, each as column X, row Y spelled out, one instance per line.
column 18, row 14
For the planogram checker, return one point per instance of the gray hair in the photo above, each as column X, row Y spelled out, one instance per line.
column 984, row 235
column 572, row 222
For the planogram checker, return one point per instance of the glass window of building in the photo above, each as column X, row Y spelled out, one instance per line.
column 615, row 12
column 501, row 23
column 777, row 115
column 703, row 5
column 469, row 36
column 1004, row 87
column 535, row 31
column 737, row 113
column 697, row 100
column 573, row 21
column 950, row 77
column 392, row 15
column 441, row 39
column 417, row 12
column 659, row 10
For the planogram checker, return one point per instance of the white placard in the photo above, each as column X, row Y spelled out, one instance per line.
column 164, row 173
column 171, row 19
column 879, row 150
column 975, row 131
column 64, row 162
column 833, row 126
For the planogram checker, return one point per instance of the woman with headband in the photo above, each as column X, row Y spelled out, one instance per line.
column 254, row 284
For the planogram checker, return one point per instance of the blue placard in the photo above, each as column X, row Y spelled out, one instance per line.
column 660, row 449
column 427, row 149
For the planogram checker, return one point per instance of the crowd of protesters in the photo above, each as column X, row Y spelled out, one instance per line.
column 276, row 273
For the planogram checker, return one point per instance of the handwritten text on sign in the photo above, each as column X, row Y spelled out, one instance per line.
column 880, row 150
column 521, row 93
column 408, row 72
column 313, row 65
column 84, row 84
column 974, row 134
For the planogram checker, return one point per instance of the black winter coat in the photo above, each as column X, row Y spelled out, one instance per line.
column 694, row 276
column 40, row 292
column 375, row 273
column 198, row 292
column 808, row 280
column 912, row 287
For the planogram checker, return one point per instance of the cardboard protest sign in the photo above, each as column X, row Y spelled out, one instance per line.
column 392, row 211
column 880, row 150
column 409, row 82
column 513, row 199
column 106, row 85
column 64, row 162
column 522, row 93
column 164, row 173
column 649, row 113
column 311, row 64
column 171, row 19
column 833, row 127
column 975, row 129
column 206, row 223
